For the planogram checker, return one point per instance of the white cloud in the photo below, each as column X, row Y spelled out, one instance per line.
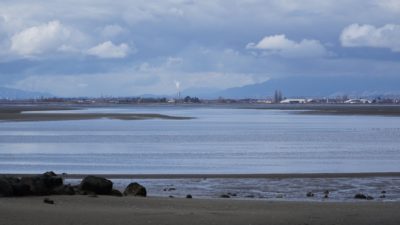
column 54, row 37
column 173, row 62
column 110, row 50
column 280, row 45
column 356, row 35
column 389, row 5
column 44, row 38
column 111, row 31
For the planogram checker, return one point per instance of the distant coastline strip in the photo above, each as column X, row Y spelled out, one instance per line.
column 228, row 176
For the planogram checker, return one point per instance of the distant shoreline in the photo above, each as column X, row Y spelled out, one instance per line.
column 17, row 113
column 336, row 109
column 226, row 176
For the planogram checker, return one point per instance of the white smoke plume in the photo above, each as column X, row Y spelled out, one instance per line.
column 177, row 85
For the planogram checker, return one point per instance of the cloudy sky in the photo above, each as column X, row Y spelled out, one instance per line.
column 132, row 47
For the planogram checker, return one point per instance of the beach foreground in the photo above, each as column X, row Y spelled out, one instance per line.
column 137, row 210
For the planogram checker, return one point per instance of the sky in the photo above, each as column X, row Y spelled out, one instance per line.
column 131, row 47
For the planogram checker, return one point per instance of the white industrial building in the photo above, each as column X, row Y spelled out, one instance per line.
column 294, row 101
column 358, row 101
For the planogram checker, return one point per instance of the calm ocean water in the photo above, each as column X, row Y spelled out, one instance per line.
column 219, row 140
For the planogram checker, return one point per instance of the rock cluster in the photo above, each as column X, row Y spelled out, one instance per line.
column 310, row 194
column 228, row 195
column 362, row 196
column 50, row 183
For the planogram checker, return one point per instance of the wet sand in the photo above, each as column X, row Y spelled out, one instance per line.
column 135, row 210
column 22, row 113
column 83, row 116
column 19, row 112
column 366, row 111
column 342, row 187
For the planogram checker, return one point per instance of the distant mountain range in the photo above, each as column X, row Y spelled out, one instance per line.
column 11, row 93
column 289, row 86
column 310, row 87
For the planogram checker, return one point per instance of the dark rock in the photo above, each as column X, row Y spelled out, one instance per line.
column 383, row 192
column 116, row 193
column 249, row 196
column 310, row 194
column 224, row 196
column 49, row 174
column 6, row 189
column 12, row 180
column 69, row 190
column 360, row 196
column 232, row 194
column 370, row 198
column 97, row 185
column 51, row 179
column 42, row 184
column 48, row 201
column 169, row 189
column 171, row 196
column 35, row 185
column 326, row 194
column 382, row 196
column 64, row 190
column 20, row 189
column 189, row 196
column 135, row 189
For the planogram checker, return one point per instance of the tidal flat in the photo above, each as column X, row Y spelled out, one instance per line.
column 41, row 113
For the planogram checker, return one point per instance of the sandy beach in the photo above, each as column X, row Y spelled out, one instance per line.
column 137, row 210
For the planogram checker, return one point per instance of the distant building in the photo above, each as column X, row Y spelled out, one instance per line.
column 294, row 101
column 264, row 101
column 358, row 101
